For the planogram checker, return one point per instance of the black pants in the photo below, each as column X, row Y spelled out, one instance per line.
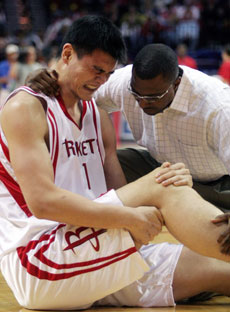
column 138, row 162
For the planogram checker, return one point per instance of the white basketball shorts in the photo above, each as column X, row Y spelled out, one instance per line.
column 69, row 268
column 154, row 289
column 72, row 267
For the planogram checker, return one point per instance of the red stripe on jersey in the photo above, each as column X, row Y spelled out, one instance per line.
column 92, row 103
column 96, row 264
column 53, row 137
column 55, row 148
column 63, row 107
column 5, row 149
column 84, row 109
column 94, row 116
column 14, row 189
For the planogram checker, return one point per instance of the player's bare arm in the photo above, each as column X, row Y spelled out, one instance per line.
column 114, row 175
column 29, row 155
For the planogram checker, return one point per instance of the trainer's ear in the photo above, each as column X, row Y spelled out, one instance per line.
column 177, row 83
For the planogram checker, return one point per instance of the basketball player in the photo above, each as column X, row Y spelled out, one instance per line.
column 66, row 242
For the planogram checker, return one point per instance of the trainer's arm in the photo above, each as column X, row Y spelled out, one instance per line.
column 219, row 133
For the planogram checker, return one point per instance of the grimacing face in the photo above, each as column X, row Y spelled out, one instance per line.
column 84, row 75
column 153, row 95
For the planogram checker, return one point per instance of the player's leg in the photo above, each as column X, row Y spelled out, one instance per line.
column 137, row 162
column 187, row 216
column 195, row 274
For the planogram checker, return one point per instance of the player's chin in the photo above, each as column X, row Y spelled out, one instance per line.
column 87, row 95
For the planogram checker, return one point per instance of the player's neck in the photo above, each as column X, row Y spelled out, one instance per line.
column 72, row 104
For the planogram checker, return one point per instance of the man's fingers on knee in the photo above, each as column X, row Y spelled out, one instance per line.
column 162, row 174
column 184, row 171
column 169, row 181
column 166, row 176
column 176, row 180
column 177, row 166
column 181, row 182
column 166, row 164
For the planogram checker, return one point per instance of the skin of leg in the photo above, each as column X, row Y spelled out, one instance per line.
column 186, row 214
column 195, row 274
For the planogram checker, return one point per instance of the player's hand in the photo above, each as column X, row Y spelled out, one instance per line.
column 224, row 238
column 147, row 225
column 44, row 80
column 176, row 174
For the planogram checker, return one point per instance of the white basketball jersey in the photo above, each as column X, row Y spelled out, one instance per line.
column 77, row 155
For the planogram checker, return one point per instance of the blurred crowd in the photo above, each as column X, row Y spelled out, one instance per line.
column 31, row 30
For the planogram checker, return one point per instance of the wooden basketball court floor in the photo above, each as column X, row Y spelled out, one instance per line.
column 217, row 304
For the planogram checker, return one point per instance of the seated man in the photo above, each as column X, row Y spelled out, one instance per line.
column 68, row 243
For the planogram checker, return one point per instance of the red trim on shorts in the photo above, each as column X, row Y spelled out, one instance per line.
column 55, row 149
column 95, row 264
column 14, row 189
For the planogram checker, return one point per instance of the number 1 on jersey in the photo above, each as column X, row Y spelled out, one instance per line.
column 86, row 174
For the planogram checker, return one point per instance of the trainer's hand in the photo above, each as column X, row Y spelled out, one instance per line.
column 224, row 238
column 175, row 174
column 148, row 223
column 44, row 80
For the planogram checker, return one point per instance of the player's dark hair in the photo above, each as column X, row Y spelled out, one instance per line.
column 92, row 32
column 156, row 59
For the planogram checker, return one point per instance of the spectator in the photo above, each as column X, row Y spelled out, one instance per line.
column 224, row 70
column 28, row 65
column 3, row 96
column 9, row 68
column 131, row 26
column 188, row 28
column 184, row 58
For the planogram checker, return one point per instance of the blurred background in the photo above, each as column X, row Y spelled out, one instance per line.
column 32, row 30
